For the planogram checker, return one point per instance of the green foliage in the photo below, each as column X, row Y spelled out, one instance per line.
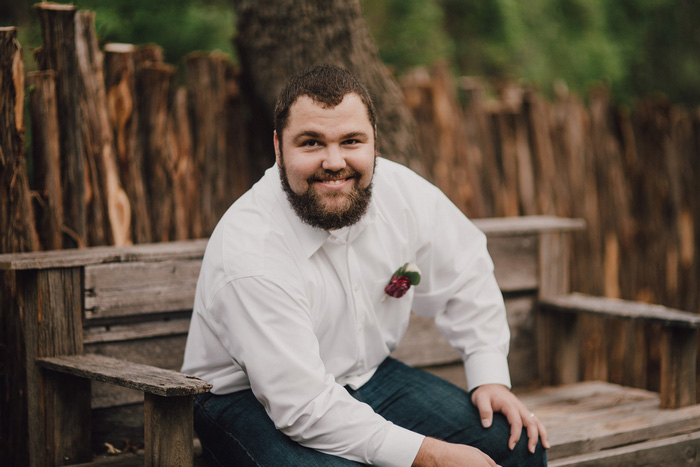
column 179, row 26
column 408, row 33
column 638, row 47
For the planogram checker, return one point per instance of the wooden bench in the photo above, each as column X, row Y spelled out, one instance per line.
column 119, row 317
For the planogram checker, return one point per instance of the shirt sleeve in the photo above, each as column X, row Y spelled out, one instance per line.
column 458, row 288
column 267, row 329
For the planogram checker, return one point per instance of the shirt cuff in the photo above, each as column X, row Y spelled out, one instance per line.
column 399, row 448
column 487, row 368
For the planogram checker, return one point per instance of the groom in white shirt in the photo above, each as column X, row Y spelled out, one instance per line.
column 307, row 285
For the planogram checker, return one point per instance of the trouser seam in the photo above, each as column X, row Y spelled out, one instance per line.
column 228, row 434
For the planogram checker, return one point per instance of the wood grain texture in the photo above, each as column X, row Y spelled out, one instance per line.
column 145, row 378
column 168, row 430
column 623, row 309
column 593, row 417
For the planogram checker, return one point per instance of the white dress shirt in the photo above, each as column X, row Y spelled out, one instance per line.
column 295, row 312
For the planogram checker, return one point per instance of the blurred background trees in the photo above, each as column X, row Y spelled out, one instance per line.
column 636, row 47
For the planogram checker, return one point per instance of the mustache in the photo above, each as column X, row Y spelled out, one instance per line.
column 333, row 175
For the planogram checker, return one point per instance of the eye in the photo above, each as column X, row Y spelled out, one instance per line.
column 310, row 143
column 350, row 142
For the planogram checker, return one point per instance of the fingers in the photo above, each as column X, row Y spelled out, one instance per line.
column 516, row 425
column 535, row 430
column 485, row 409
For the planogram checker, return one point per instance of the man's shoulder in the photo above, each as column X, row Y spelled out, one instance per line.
column 396, row 180
column 241, row 238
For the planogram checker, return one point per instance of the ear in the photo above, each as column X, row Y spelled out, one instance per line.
column 276, row 142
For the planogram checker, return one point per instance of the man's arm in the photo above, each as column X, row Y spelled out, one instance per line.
column 434, row 453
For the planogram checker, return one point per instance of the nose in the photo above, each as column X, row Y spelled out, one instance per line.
column 334, row 159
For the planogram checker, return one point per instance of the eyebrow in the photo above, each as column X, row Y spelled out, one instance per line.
column 316, row 135
column 306, row 134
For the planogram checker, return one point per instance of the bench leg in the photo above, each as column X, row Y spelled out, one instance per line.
column 678, row 367
column 66, row 419
column 168, row 430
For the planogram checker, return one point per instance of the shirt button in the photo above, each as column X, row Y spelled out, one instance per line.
column 356, row 288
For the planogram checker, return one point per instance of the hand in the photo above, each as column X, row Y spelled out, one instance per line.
column 491, row 398
column 434, row 453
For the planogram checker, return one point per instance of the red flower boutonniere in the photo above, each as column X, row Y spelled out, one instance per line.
column 402, row 280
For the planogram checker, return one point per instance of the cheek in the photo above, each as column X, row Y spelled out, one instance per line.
column 298, row 174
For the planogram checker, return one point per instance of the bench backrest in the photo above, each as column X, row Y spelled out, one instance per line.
column 134, row 303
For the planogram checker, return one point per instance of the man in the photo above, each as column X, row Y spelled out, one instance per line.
column 293, row 321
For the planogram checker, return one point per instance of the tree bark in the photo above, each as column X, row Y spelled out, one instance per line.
column 120, row 83
column 153, row 88
column 206, row 86
column 17, row 231
column 98, row 133
column 47, row 158
column 58, row 54
column 278, row 38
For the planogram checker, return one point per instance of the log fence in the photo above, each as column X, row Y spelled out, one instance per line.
column 122, row 153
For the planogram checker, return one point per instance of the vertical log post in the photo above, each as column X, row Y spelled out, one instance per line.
column 58, row 54
column 99, row 138
column 120, row 83
column 17, row 231
column 206, row 81
column 47, row 157
column 153, row 87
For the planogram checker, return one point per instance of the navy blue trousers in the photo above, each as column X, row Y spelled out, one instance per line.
column 235, row 430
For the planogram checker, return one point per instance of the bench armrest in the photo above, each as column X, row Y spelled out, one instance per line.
column 560, row 341
column 621, row 309
column 146, row 378
column 168, row 401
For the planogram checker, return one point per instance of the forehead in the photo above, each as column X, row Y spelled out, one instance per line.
column 306, row 113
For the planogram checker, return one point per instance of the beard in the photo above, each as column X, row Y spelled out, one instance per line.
column 312, row 210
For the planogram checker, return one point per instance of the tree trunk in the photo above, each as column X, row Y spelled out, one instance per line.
column 17, row 231
column 278, row 38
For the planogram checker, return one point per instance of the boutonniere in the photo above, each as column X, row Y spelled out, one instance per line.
column 402, row 280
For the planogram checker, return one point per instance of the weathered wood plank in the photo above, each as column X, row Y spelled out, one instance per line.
column 623, row 309
column 593, row 416
column 135, row 288
column 162, row 352
column 128, row 374
column 676, row 450
column 177, row 326
column 523, row 225
column 106, row 254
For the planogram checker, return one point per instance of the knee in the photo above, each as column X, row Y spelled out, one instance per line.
column 521, row 455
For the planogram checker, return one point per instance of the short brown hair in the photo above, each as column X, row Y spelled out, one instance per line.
column 325, row 84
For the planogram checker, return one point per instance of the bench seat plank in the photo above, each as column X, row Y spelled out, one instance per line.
column 146, row 378
column 595, row 416
column 676, row 450
column 622, row 309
